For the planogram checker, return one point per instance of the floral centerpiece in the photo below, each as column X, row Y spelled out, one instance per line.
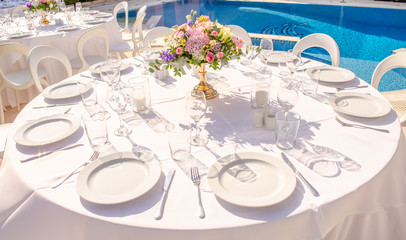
column 200, row 42
column 43, row 6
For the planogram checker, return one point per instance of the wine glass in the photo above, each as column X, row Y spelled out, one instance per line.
column 293, row 62
column 196, row 108
column 287, row 95
column 266, row 46
column 146, row 55
column 118, row 103
column 62, row 5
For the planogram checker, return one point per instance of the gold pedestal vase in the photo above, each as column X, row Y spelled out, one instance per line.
column 203, row 86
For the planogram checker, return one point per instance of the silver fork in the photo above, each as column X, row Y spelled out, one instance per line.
column 344, row 124
column 194, row 173
column 349, row 88
column 94, row 156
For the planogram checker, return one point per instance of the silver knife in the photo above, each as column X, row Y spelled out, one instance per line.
column 50, row 152
column 308, row 185
column 167, row 183
column 54, row 105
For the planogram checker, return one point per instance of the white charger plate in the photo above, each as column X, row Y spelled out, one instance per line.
column 117, row 178
column 66, row 89
column 95, row 68
column 275, row 57
column 359, row 105
column 47, row 130
column 251, row 180
column 95, row 21
column 332, row 74
column 67, row 28
column 20, row 35
column 102, row 15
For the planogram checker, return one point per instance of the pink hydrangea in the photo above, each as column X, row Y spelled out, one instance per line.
column 210, row 57
column 220, row 55
column 196, row 41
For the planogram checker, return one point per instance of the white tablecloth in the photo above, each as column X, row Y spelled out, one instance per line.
column 364, row 199
column 65, row 41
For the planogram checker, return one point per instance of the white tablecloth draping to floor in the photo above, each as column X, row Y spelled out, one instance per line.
column 65, row 41
column 364, row 198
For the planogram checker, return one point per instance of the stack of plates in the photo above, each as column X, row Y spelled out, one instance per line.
column 251, row 179
column 332, row 74
column 117, row 178
column 359, row 105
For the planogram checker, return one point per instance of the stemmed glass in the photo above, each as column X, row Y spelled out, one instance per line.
column 145, row 54
column 293, row 62
column 118, row 102
column 287, row 95
column 196, row 108
column 62, row 5
column 266, row 46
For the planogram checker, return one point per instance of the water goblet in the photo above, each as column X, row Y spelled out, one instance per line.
column 118, row 103
column 196, row 108
column 62, row 5
column 287, row 95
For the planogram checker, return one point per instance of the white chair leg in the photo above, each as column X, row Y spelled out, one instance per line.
column 17, row 99
column 1, row 112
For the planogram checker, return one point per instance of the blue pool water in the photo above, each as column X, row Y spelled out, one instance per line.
column 365, row 36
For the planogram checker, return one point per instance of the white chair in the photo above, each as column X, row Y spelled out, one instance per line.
column 137, row 35
column 140, row 13
column 84, row 62
column 153, row 37
column 241, row 33
column 38, row 53
column 17, row 80
column 18, row 10
column 319, row 40
column 396, row 98
column 121, row 6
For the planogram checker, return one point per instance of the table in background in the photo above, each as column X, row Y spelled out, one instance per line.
column 66, row 41
column 361, row 203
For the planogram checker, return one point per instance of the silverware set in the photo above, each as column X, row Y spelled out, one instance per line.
column 344, row 124
column 94, row 156
column 50, row 152
column 194, row 173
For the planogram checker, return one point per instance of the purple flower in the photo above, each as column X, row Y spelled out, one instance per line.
column 190, row 23
column 167, row 56
column 187, row 34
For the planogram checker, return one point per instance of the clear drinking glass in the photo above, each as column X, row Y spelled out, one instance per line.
column 118, row 103
column 287, row 95
column 266, row 46
column 196, row 108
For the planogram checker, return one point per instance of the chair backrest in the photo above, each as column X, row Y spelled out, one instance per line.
column 397, row 60
column 156, row 33
column 38, row 53
column 319, row 40
column 137, row 35
column 241, row 33
column 9, row 48
column 117, row 8
column 18, row 10
column 90, row 34
column 141, row 11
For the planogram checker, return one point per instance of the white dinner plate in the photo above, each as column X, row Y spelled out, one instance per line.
column 67, row 28
column 65, row 89
column 117, row 178
column 359, row 105
column 275, row 57
column 251, row 180
column 95, row 21
column 95, row 68
column 47, row 130
column 102, row 15
column 20, row 35
column 332, row 74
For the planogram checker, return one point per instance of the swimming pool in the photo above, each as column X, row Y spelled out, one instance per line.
column 365, row 36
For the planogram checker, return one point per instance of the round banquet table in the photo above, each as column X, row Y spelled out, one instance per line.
column 65, row 41
column 364, row 198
